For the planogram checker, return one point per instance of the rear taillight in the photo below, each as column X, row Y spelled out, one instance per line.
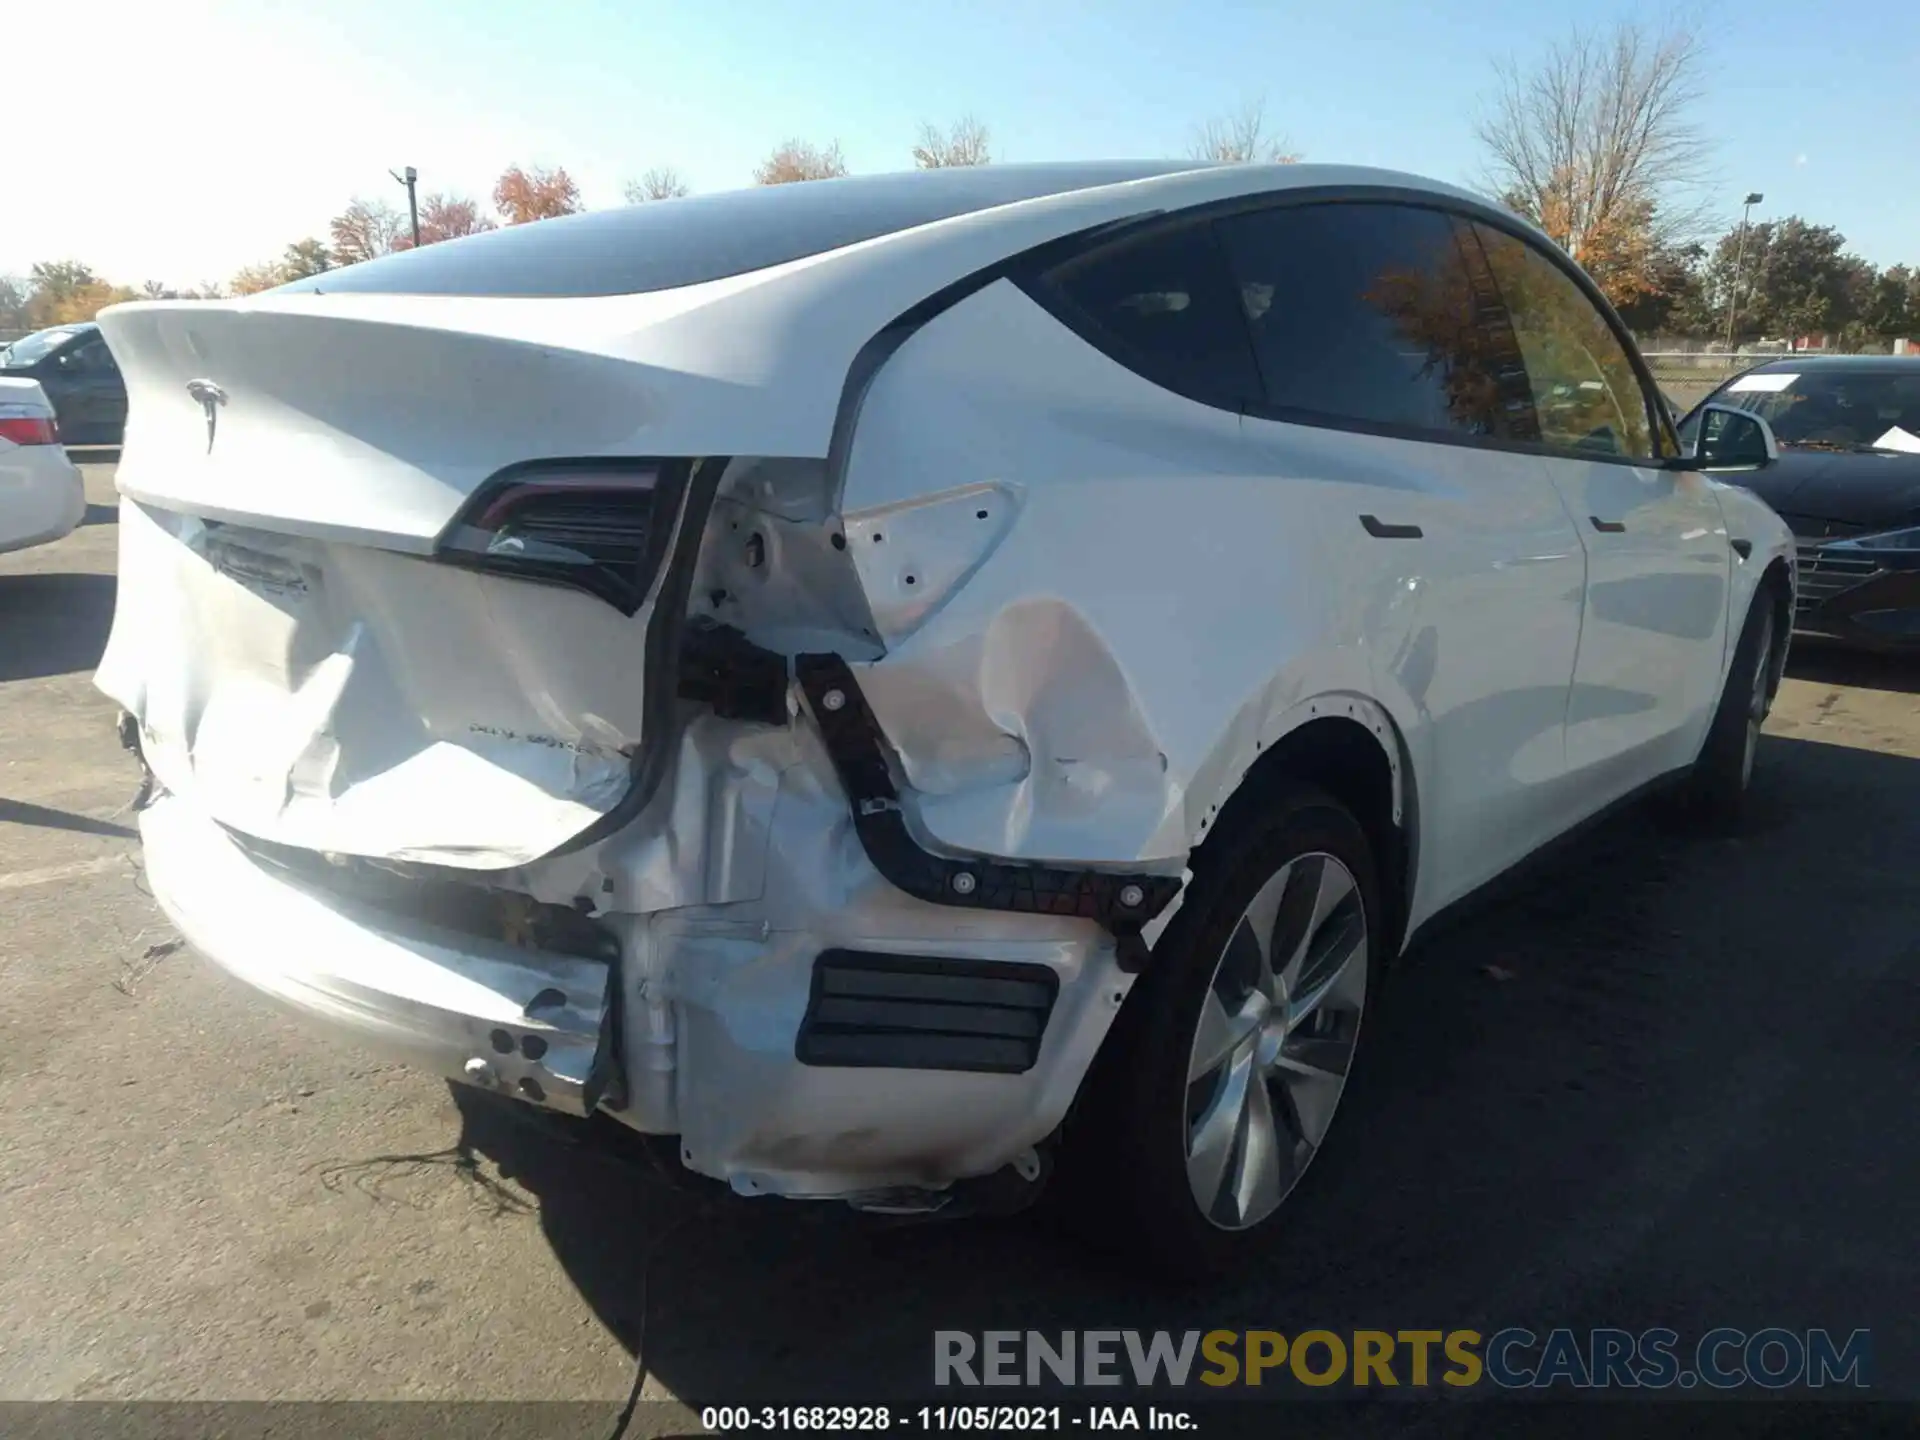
column 27, row 425
column 596, row 528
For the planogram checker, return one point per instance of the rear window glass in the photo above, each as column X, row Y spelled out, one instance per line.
column 37, row 346
column 669, row 243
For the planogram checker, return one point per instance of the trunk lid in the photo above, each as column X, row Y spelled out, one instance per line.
column 298, row 661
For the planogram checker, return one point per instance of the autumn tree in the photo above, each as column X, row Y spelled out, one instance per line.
column 367, row 229
column 663, row 182
column 448, row 217
column 13, row 303
column 964, row 144
column 525, row 194
column 61, row 292
column 255, row 278
column 304, row 258
column 1674, row 301
column 55, row 282
column 1597, row 145
column 800, row 160
column 1241, row 137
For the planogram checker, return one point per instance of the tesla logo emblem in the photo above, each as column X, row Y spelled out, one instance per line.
column 211, row 398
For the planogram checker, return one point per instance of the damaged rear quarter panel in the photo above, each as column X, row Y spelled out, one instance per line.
column 1158, row 610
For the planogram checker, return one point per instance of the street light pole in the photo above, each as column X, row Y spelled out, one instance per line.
column 413, row 205
column 1739, row 257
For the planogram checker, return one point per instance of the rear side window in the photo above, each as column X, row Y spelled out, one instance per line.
column 1585, row 389
column 1376, row 313
column 1164, row 305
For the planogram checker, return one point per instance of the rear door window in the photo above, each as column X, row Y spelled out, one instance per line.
column 1164, row 305
column 1585, row 389
column 1375, row 315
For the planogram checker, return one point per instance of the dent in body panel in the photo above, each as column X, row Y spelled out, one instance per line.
column 364, row 702
column 714, row 995
column 1166, row 593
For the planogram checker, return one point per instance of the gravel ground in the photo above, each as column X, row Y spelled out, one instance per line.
column 1671, row 1083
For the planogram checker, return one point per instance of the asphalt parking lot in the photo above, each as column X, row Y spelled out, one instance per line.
column 1672, row 1083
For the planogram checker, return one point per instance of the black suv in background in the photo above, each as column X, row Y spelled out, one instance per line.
column 75, row 368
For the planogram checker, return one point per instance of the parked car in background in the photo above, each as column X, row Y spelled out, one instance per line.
column 77, row 370
column 41, row 496
column 1847, row 483
column 847, row 674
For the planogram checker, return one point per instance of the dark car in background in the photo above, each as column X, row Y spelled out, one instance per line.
column 1847, row 483
column 75, row 368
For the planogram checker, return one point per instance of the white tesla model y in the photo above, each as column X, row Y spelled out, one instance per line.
column 902, row 681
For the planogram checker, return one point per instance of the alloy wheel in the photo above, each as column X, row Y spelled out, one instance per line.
column 1274, row 1040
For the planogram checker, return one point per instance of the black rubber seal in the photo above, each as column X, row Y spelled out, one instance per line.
column 858, row 749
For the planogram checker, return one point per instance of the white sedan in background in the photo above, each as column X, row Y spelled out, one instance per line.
column 41, row 498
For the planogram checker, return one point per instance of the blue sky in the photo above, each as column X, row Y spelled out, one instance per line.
column 219, row 130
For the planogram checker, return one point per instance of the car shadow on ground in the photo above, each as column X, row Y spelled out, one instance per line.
column 53, row 623
column 1827, row 664
column 1557, row 1103
column 20, row 812
column 101, row 515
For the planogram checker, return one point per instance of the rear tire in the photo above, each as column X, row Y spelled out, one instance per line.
column 1218, row 1084
column 1723, row 774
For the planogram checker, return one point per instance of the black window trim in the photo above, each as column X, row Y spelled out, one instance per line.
column 1030, row 275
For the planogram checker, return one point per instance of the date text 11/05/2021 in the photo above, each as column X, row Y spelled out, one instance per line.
column 991, row 1419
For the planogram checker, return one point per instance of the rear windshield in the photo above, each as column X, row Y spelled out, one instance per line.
column 36, row 347
column 1846, row 408
column 669, row 243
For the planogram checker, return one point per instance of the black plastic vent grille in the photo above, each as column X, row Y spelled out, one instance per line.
column 912, row 1012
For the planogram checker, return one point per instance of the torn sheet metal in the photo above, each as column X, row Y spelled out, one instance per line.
column 712, row 997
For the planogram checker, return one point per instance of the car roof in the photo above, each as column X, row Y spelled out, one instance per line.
column 669, row 244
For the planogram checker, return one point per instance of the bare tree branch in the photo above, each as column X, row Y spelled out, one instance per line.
column 1240, row 137
column 1597, row 145
column 663, row 182
column 964, row 144
column 800, row 160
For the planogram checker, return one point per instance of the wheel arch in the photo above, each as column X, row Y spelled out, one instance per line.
column 1347, row 744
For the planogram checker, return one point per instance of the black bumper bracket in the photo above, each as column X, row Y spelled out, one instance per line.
column 1119, row 903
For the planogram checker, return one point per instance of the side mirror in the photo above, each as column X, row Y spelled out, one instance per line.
column 1724, row 437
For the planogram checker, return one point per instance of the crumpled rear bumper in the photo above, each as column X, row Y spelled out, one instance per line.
column 530, row 1023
